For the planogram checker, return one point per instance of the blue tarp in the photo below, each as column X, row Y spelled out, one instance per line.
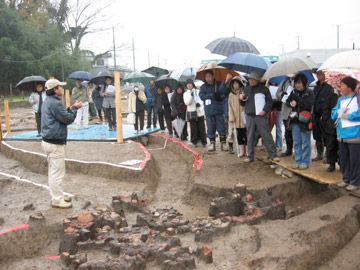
column 93, row 133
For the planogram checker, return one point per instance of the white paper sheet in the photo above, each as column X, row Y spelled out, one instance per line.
column 288, row 92
column 259, row 103
column 352, row 107
column 208, row 102
column 273, row 89
column 110, row 89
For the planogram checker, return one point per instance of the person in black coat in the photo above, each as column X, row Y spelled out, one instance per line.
column 179, row 109
column 160, row 99
column 331, row 142
column 321, row 91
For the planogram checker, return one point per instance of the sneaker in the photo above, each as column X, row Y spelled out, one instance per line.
column 303, row 167
column 136, row 132
column 212, row 147
column 67, row 198
column 204, row 144
column 275, row 159
column 248, row 160
column 352, row 188
column 295, row 166
column 62, row 205
column 224, row 147
column 342, row 185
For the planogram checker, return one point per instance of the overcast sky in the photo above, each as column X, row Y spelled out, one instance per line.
column 174, row 33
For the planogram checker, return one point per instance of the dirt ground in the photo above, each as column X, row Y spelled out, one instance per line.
column 325, row 236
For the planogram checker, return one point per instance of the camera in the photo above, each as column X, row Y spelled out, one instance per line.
column 293, row 115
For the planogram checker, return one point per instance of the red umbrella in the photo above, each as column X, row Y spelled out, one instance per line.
column 334, row 77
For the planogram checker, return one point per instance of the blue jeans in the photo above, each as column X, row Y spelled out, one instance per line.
column 302, row 145
column 279, row 139
column 151, row 110
column 215, row 123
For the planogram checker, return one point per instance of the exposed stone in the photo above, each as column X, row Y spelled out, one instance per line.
column 68, row 243
column 29, row 206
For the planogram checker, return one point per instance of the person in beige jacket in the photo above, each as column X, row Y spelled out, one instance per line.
column 236, row 117
column 136, row 103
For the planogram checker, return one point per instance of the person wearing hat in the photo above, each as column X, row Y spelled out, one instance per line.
column 236, row 119
column 257, row 101
column 321, row 91
column 54, row 121
column 213, row 96
column 37, row 99
column 347, row 116
column 80, row 93
column 136, row 104
column 195, row 113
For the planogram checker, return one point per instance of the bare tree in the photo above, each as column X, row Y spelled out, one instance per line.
column 81, row 20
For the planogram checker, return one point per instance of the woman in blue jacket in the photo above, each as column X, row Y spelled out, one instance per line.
column 347, row 116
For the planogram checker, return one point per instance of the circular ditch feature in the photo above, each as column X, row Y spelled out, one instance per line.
column 222, row 226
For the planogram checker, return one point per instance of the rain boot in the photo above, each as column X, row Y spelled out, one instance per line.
column 289, row 147
column 223, row 143
column 319, row 154
column 231, row 148
column 212, row 147
column 241, row 150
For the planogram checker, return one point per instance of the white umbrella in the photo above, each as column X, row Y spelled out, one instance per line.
column 348, row 59
column 178, row 124
column 288, row 66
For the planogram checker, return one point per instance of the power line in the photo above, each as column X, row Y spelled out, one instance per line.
column 30, row 61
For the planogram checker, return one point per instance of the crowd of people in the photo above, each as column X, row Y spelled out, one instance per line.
column 240, row 110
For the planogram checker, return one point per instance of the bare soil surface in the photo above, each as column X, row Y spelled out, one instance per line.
column 325, row 236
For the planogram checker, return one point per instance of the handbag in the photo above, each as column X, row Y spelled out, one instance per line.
column 130, row 119
column 305, row 117
column 191, row 115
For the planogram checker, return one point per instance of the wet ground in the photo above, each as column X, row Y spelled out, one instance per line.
column 324, row 235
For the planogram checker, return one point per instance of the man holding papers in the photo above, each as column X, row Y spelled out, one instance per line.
column 257, row 101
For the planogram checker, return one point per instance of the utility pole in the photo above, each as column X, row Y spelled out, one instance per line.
column 158, row 61
column 298, row 38
column 62, row 64
column 338, row 35
column 133, row 52
column 149, row 58
column 114, row 48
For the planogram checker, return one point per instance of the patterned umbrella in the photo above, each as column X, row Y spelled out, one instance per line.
column 246, row 62
column 219, row 72
column 334, row 77
column 229, row 45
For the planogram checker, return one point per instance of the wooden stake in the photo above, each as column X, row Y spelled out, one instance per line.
column 120, row 138
column 1, row 130
column 7, row 115
column 67, row 98
column 22, row 95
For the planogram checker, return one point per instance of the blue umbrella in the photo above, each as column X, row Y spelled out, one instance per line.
column 81, row 75
column 279, row 79
column 246, row 62
column 229, row 45
column 182, row 74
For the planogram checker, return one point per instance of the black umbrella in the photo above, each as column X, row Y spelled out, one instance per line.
column 229, row 45
column 156, row 71
column 101, row 76
column 164, row 80
column 29, row 83
column 81, row 75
